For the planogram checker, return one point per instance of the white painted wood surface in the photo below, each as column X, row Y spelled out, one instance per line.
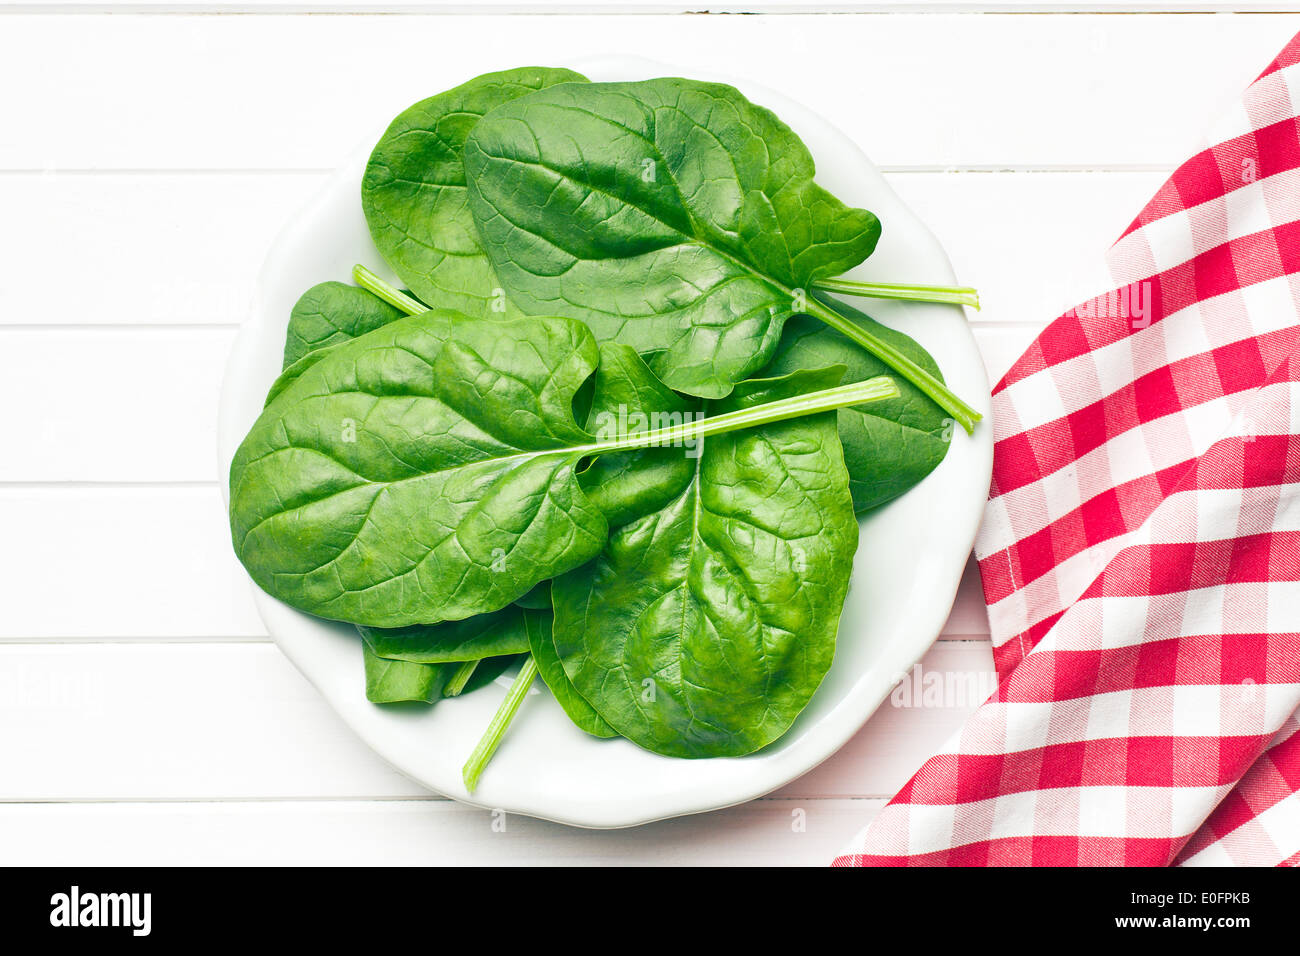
column 146, row 162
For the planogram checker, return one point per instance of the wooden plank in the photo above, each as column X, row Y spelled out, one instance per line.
column 1034, row 244
column 112, row 404
column 154, row 562
column 969, row 618
column 186, row 248
column 237, row 721
column 124, row 248
column 148, row 562
column 930, row 704
column 227, row 721
column 208, row 752
column 153, row 392
column 144, row 92
column 1001, row 346
column 414, row 833
column 500, row 7
column 144, row 405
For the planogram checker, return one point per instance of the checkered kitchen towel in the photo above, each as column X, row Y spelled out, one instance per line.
column 1141, row 548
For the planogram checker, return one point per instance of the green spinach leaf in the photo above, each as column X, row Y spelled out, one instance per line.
column 326, row 315
column 402, row 478
column 707, row 622
column 413, row 192
column 670, row 215
column 542, row 644
column 330, row 313
column 389, row 682
column 395, row 681
column 538, row 599
column 483, row 635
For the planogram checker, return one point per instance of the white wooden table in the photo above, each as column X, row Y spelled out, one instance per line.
column 146, row 161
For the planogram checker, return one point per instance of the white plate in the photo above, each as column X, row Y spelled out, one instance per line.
column 905, row 576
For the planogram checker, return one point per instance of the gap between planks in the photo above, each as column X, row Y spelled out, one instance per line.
column 635, row 8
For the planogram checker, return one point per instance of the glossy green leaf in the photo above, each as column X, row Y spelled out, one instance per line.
column 413, row 191
column 400, row 479
column 542, row 644
column 671, row 215
column 483, row 635
column 538, row 599
column 326, row 315
column 389, row 682
column 707, row 622
column 889, row 446
column 330, row 313
column 394, row 681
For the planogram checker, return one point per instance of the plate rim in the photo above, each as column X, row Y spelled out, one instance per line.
column 837, row 727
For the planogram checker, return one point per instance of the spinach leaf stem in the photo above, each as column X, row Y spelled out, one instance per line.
column 948, row 295
column 459, row 679
column 943, row 396
column 394, row 297
column 496, row 730
column 796, row 406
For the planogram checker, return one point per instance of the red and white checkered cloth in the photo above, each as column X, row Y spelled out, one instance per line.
column 1141, row 548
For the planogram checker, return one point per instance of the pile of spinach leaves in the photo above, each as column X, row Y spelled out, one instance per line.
column 615, row 431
